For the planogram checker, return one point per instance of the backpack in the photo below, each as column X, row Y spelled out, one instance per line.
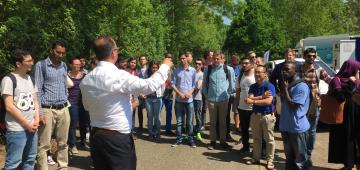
column 209, row 71
column 3, row 109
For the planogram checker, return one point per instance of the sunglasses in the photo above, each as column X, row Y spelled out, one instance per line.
column 198, row 63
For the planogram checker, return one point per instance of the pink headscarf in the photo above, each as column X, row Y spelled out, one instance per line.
column 348, row 69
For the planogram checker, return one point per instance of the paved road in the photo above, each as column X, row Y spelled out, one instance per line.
column 160, row 155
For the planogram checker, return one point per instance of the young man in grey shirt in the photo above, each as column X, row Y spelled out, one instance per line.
column 22, row 113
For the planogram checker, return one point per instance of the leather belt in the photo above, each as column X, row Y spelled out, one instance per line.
column 56, row 107
column 262, row 113
column 106, row 131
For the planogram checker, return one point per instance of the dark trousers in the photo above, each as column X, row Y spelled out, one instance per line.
column 295, row 150
column 141, row 107
column 245, row 124
column 230, row 104
column 203, row 110
column 168, row 107
column 78, row 115
column 112, row 150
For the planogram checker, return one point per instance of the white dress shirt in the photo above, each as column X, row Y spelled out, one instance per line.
column 106, row 94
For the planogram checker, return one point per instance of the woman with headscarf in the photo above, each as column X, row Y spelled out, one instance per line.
column 344, row 139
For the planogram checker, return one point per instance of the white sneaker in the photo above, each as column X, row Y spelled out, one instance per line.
column 74, row 150
column 50, row 160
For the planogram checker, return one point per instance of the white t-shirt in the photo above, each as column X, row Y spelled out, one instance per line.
column 245, row 83
column 23, row 99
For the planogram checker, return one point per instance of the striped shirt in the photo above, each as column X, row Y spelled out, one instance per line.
column 51, row 84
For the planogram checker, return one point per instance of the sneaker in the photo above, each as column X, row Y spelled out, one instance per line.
column 225, row 145
column 198, row 137
column 169, row 133
column 252, row 162
column 244, row 150
column 192, row 144
column 84, row 146
column 211, row 146
column 270, row 165
column 310, row 162
column 177, row 143
column 74, row 150
column 50, row 160
column 229, row 138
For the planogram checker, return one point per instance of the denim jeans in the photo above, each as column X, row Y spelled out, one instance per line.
column 197, row 110
column 295, row 150
column 168, row 107
column 313, row 120
column 180, row 110
column 78, row 115
column 21, row 147
column 153, row 108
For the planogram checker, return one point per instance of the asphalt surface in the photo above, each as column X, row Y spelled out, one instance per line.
column 158, row 155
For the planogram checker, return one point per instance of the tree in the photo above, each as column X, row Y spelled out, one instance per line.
column 257, row 29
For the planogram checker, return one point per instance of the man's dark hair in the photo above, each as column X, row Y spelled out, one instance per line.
column 263, row 66
column 57, row 43
column 200, row 59
column 104, row 46
column 247, row 57
column 168, row 55
column 309, row 50
column 206, row 54
column 181, row 54
column 131, row 59
column 18, row 55
column 290, row 63
column 74, row 58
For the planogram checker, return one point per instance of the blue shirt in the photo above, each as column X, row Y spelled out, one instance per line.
column 295, row 120
column 51, row 84
column 219, row 88
column 184, row 80
column 237, row 69
column 257, row 90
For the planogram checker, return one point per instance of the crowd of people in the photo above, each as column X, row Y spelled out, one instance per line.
column 58, row 101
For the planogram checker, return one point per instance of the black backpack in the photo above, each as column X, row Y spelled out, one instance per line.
column 3, row 109
column 209, row 71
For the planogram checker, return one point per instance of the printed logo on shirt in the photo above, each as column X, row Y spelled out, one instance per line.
column 25, row 101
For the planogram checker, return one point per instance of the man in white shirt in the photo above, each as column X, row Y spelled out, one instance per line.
column 106, row 93
column 243, row 84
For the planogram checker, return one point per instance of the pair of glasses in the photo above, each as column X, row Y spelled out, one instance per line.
column 245, row 63
column 198, row 63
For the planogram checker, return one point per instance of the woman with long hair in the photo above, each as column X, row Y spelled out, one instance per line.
column 153, row 105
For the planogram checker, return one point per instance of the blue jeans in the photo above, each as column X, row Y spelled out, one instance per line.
column 295, row 150
column 198, row 117
column 153, row 108
column 180, row 110
column 313, row 120
column 21, row 146
column 168, row 108
column 78, row 115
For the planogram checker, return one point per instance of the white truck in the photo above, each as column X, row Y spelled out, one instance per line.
column 332, row 49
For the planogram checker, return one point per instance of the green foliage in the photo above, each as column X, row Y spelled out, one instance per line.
column 154, row 27
column 256, row 29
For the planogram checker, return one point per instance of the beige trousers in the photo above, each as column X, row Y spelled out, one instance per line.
column 218, row 110
column 262, row 126
column 59, row 122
